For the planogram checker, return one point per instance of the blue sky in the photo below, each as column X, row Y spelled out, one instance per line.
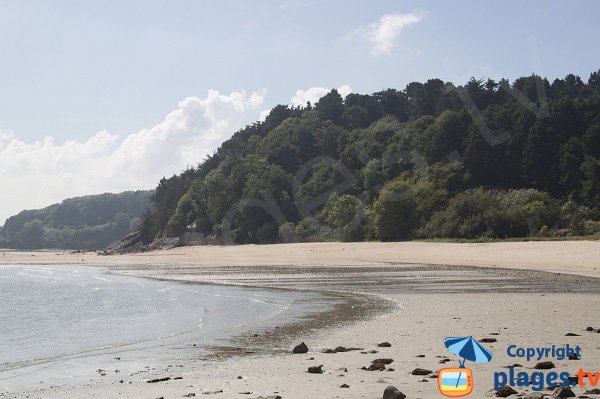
column 89, row 77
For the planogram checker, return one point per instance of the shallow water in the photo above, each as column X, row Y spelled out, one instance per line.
column 59, row 324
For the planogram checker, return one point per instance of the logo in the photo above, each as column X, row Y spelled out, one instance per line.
column 456, row 382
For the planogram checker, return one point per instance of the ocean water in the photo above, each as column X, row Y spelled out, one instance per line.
column 59, row 324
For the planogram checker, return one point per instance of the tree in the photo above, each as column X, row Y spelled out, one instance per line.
column 331, row 107
column 401, row 206
column 571, row 157
column 345, row 214
column 590, row 185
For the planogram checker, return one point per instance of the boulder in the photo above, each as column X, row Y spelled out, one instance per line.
column 391, row 392
column 302, row 348
column 544, row 366
column 505, row 391
column 419, row 371
column 563, row 392
column 384, row 345
column 315, row 369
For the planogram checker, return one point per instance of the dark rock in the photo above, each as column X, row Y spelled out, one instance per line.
column 544, row 366
column 594, row 391
column 420, row 356
column 419, row 371
column 302, row 348
column 572, row 335
column 573, row 380
column 573, row 356
column 391, row 392
column 341, row 349
column 371, row 352
column 384, row 361
column 488, row 340
column 505, row 391
column 189, row 395
column 375, row 367
column 154, row 380
column 563, row 392
column 315, row 369
column 344, row 386
column 384, row 345
column 590, row 329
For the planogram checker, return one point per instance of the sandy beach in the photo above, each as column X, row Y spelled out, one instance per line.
column 529, row 294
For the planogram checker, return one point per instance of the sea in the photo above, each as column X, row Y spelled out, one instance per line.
column 64, row 325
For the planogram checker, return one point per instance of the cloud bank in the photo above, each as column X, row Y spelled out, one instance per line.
column 43, row 172
column 383, row 34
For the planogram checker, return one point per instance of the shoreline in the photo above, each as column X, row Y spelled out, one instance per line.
column 478, row 300
column 579, row 257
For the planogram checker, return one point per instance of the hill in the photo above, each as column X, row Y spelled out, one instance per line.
column 485, row 159
column 90, row 222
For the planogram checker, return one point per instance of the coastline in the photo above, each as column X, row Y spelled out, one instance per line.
column 492, row 298
column 573, row 257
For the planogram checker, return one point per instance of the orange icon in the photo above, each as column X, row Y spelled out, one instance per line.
column 455, row 382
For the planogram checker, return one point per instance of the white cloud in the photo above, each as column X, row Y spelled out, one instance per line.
column 315, row 93
column 383, row 34
column 43, row 172
column 263, row 114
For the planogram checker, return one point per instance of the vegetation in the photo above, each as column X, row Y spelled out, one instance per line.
column 90, row 222
column 487, row 159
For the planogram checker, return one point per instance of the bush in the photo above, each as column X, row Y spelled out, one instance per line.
column 490, row 213
column 402, row 205
column 345, row 215
column 309, row 229
column 287, row 232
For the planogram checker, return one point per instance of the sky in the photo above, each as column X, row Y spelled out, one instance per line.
column 107, row 96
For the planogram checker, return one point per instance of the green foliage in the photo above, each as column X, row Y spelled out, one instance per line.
column 421, row 162
column 402, row 205
column 345, row 215
column 91, row 222
column 492, row 213
column 590, row 185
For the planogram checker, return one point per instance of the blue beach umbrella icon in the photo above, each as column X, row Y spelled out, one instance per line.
column 469, row 349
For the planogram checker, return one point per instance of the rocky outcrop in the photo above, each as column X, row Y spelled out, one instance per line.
column 132, row 243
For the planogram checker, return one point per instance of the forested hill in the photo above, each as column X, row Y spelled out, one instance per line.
column 493, row 159
column 90, row 222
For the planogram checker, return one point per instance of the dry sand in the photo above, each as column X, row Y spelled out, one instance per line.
column 574, row 257
column 516, row 292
